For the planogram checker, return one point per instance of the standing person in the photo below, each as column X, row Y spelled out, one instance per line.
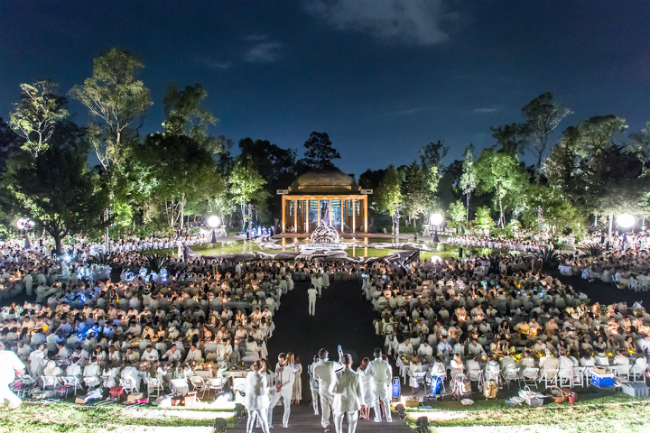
column 381, row 373
column 313, row 385
column 312, row 292
column 257, row 397
column 368, row 400
column 297, row 382
column 325, row 373
column 284, row 377
column 10, row 365
column 348, row 392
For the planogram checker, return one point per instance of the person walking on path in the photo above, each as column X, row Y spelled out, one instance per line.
column 10, row 365
column 312, row 292
column 284, row 377
column 325, row 373
column 348, row 392
column 257, row 397
column 313, row 384
column 381, row 373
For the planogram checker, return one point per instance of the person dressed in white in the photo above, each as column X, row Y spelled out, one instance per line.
column 382, row 373
column 284, row 377
column 10, row 365
column 257, row 397
column 348, row 392
column 325, row 373
column 312, row 292
column 36, row 362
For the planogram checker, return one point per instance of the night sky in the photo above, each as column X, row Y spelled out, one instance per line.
column 382, row 77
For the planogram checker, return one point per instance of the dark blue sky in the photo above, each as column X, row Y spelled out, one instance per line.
column 382, row 77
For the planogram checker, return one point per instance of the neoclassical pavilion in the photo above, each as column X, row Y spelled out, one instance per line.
column 319, row 194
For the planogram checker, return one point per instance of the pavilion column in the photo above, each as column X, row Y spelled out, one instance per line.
column 318, row 207
column 354, row 215
column 295, row 216
column 342, row 214
column 306, row 217
column 284, row 214
column 365, row 214
column 329, row 213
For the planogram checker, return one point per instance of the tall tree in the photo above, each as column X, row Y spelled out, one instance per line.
column 640, row 147
column 511, row 138
column 415, row 192
column 180, row 172
column 457, row 214
column 543, row 115
column 246, row 184
column 59, row 191
column 37, row 114
column 185, row 116
column 431, row 157
column 320, row 153
column 501, row 174
column 468, row 178
column 388, row 196
column 115, row 97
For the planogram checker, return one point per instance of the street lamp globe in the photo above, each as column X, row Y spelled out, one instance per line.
column 214, row 221
column 436, row 219
column 625, row 221
column 24, row 224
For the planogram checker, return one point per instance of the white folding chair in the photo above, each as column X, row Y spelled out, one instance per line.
column 511, row 375
column 49, row 382
column 530, row 376
column 92, row 381
column 72, row 382
column 216, row 384
column 128, row 385
column 638, row 370
column 565, row 377
column 154, row 386
column 549, row 375
column 579, row 376
column 199, row 384
column 622, row 370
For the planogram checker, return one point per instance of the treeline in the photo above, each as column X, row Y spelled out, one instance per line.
column 76, row 179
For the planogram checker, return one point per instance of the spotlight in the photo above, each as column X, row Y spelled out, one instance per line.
column 625, row 221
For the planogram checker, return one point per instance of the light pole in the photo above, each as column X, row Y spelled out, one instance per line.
column 214, row 221
column 436, row 220
column 25, row 224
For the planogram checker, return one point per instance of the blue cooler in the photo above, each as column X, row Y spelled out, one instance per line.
column 602, row 379
column 397, row 388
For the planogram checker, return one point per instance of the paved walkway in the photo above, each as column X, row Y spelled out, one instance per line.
column 342, row 317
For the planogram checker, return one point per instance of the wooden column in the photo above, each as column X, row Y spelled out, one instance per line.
column 295, row 216
column 318, row 208
column 342, row 213
column 329, row 212
column 354, row 216
column 365, row 214
column 283, row 213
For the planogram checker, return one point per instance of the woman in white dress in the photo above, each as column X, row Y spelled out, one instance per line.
column 368, row 400
column 296, row 395
column 257, row 397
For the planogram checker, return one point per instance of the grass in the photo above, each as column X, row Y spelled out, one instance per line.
column 617, row 412
column 67, row 417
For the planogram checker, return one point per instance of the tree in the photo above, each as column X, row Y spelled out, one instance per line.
column 542, row 115
column 37, row 114
column 115, row 97
column 431, row 157
column 457, row 213
column 58, row 190
column 185, row 116
column 640, row 147
column 246, row 184
column 484, row 219
column 468, row 178
column 511, row 138
column 560, row 215
column 180, row 171
column 319, row 153
column 388, row 195
column 501, row 174
column 415, row 191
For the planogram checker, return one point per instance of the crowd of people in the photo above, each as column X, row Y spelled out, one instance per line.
column 486, row 319
column 502, row 243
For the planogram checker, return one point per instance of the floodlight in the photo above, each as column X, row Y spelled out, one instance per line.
column 436, row 219
column 625, row 221
column 214, row 221
column 24, row 224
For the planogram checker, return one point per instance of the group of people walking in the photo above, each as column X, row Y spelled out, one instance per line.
column 337, row 390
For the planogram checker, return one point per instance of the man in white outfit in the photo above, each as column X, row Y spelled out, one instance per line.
column 312, row 292
column 28, row 284
column 348, row 392
column 257, row 397
column 325, row 373
column 284, row 377
column 381, row 373
column 10, row 365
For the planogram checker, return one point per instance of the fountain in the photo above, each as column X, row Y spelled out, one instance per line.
column 324, row 237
